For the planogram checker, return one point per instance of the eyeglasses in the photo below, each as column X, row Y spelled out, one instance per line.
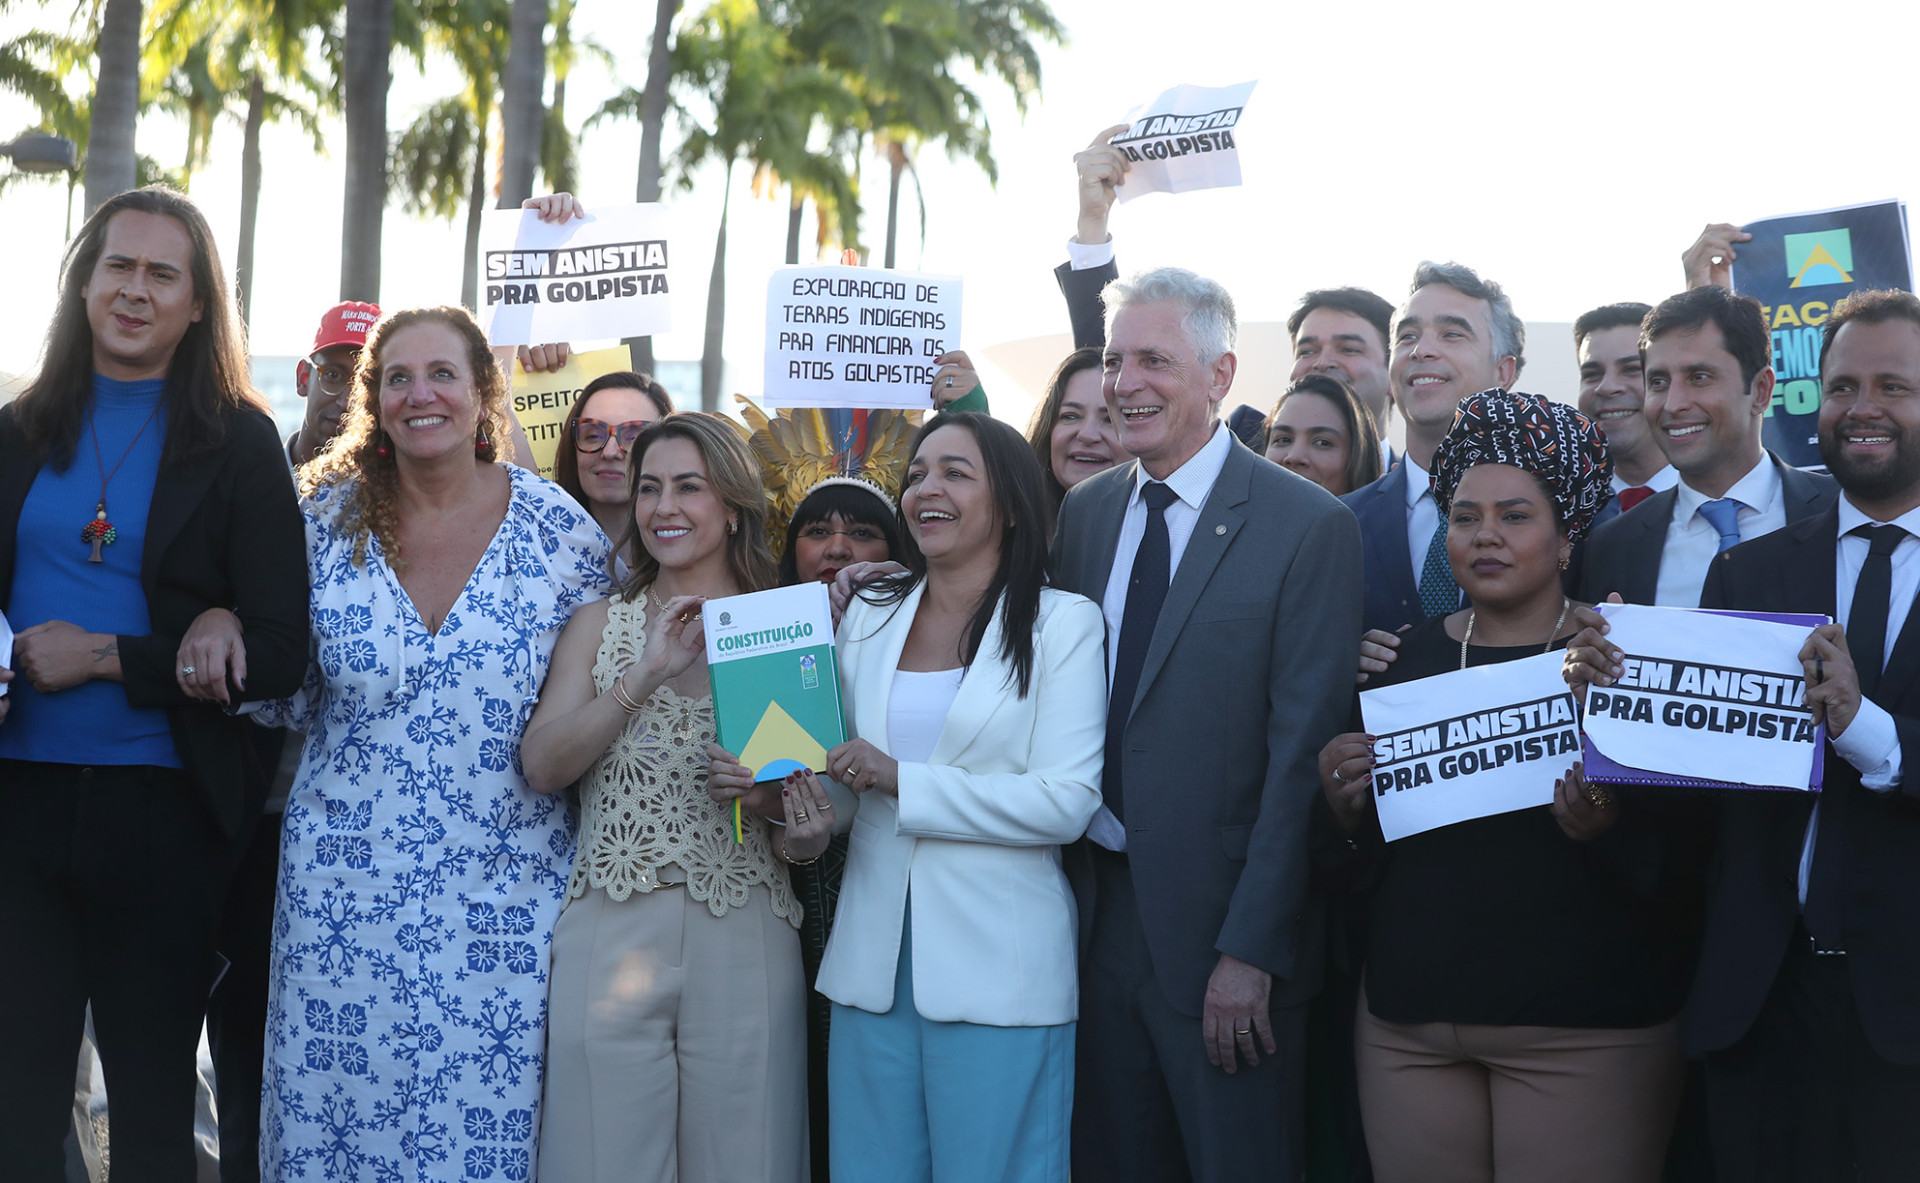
column 333, row 379
column 820, row 532
column 591, row 435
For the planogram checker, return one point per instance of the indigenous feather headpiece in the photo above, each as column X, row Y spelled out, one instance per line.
column 803, row 448
column 1551, row 440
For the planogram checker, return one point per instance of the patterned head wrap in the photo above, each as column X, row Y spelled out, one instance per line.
column 1551, row 440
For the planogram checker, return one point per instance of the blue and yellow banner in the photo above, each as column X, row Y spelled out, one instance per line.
column 1798, row 267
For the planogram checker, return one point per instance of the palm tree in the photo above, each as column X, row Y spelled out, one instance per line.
column 115, row 110
column 207, row 58
column 524, row 78
column 36, row 66
column 904, row 56
column 763, row 102
column 440, row 160
column 367, row 72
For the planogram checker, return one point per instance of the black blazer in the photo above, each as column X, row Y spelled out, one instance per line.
column 1753, row 895
column 1623, row 554
column 224, row 531
column 1085, row 308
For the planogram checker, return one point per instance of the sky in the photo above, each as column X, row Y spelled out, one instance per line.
column 1570, row 152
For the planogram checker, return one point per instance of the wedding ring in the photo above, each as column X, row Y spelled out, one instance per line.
column 1339, row 776
column 949, row 379
column 853, row 770
column 186, row 671
column 803, row 816
column 1243, row 1031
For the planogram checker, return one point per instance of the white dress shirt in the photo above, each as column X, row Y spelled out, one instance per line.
column 1191, row 483
column 1085, row 256
column 1423, row 515
column 1870, row 742
column 1692, row 541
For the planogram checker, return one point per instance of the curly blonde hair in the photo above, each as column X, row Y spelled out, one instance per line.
column 371, row 508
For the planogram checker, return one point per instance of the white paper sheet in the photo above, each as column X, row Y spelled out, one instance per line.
column 1468, row 744
column 1184, row 139
column 1705, row 696
column 586, row 279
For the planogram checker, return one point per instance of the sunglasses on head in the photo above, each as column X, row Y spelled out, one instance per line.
column 591, row 435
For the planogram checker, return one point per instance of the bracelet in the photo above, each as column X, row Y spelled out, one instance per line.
column 620, row 696
column 802, row 862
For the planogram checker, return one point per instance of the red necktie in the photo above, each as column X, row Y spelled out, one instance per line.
column 1634, row 496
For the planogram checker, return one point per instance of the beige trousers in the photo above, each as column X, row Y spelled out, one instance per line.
column 676, row 1044
column 1460, row 1103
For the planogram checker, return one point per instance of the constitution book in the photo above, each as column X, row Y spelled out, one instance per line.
column 776, row 678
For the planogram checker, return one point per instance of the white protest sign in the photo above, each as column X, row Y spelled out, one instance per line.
column 1706, row 697
column 593, row 278
column 6, row 647
column 857, row 337
column 1183, row 140
column 1468, row 744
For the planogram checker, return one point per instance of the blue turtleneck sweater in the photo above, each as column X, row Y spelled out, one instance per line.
column 91, row 723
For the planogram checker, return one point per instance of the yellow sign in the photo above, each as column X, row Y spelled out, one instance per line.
column 543, row 400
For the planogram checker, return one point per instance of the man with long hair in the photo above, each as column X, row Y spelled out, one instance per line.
column 141, row 484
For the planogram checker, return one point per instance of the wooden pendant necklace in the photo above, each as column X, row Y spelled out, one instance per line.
column 100, row 532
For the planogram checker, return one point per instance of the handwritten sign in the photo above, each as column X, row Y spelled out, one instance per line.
column 1469, row 744
column 857, row 337
column 1706, row 697
column 1183, row 140
column 543, row 400
column 592, row 278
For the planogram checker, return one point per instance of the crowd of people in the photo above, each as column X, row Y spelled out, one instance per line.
column 394, row 765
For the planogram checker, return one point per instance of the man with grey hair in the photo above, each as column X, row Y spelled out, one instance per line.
column 1456, row 335
column 1231, row 594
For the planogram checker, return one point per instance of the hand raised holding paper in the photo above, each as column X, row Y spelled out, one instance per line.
column 1102, row 169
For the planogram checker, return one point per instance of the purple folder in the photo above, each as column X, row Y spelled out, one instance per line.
column 1602, row 770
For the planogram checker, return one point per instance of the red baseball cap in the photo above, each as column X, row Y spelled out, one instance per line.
column 345, row 324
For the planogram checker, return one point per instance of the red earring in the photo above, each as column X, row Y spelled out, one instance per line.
column 482, row 446
column 380, row 449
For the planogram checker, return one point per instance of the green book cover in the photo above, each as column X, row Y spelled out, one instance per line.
column 776, row 678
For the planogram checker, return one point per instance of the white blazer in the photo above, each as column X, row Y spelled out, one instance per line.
column 976, row 830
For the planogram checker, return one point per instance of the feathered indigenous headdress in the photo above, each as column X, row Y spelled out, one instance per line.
column 803, row 448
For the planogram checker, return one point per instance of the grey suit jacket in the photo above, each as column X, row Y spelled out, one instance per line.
column 1249, row 673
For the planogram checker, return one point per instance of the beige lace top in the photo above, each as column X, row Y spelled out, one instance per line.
column 646, row 818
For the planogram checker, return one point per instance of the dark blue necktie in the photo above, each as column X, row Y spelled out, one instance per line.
column 1826, row 912
column 1439, row 594
column 1146, row 591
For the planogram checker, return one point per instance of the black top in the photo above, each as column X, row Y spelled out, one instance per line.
column 1505, row 920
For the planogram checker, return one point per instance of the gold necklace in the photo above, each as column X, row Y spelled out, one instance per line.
column 1473, row 614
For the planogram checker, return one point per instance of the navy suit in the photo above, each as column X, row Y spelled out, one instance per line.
column 1392, row 589
column 1623, row 555
column 1813, row 1061
column 1084, row 306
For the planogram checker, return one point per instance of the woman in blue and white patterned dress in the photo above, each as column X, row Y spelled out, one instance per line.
column 420, row 878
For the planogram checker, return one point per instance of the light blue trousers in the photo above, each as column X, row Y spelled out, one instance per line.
column 915, row 1101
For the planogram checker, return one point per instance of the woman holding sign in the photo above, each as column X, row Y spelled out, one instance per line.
column 1518, row 1013
column 977, row 696
column 676, row 1045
